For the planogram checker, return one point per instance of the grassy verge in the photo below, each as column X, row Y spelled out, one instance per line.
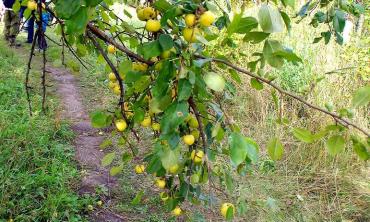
column 37, row 171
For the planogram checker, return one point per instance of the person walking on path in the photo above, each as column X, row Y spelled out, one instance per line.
column 11, row 22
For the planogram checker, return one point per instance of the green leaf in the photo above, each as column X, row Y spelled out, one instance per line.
column 335, row 144
column 16, row 6
column 137, row 198
column 246, row 24
column 240, row 148
column 286, row 20
column 229, row 182
column 169, row 157
column 275, row 149
column 256, row 84
column 126, row 156
column 184, row 89
column 270, row 47
column 230, row 213
column 162, row 5
column 100, row 119
column 361, row 97
column 234, row 24
column 235, row 76
column 174, row 116
column 116, row 170
column 77, row 23
column 238, row 152
column 339, row 20
column 27, row 13
column 361, row 150
column 303, row 135
column 106, row 143
column 108, row 159
column 66, row 8
column 288, row 55
column 270, row 19
column 255, row 37
column 150, row 49
column 290, row 3
column 166, row 42
column 93, row 3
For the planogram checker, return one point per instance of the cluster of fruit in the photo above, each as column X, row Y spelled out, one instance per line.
column 193, row 22
column 149, row 15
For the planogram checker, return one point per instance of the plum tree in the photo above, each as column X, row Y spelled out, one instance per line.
column 164, row 81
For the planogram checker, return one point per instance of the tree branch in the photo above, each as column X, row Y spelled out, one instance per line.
column 100, row 34
column 282, row 91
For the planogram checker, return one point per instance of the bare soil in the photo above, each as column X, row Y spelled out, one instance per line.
column 86, row 143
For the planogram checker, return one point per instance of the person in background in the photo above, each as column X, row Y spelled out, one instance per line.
column 30, row 25
column 11, row 23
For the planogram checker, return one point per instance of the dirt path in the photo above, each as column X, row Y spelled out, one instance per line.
column 86, row 143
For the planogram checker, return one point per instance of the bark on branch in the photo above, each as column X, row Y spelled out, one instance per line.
column 335, row 116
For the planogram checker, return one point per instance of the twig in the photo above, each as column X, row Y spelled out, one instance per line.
column 282, row 91
column 118, row 77
column 200, row 123
column 100, row 34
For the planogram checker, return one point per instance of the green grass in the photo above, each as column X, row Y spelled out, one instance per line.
column 38, row 176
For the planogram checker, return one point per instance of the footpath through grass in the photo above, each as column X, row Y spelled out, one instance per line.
column 37, row 173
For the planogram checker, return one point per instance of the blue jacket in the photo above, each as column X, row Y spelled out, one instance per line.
column 8, row 3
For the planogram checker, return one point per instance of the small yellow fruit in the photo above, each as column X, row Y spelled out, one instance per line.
column 138, row 66
column 188, row 139
column 156, row 126
column 90, row 207
column 173, row 169
column 207, row 18
column 225, row 207
column 140, row 15
column 112, row 77
column 164, row 196
column 111, row 49
column 158, row 66
column 139, row 169
column 121, row 125
column 153, row 25
column 177, row 211
column 190, row 20
column 166, row 54
column 112, row 84
column 195, row 133
column 149, row 13
column 193, row 122
column 31, row 5
column 197, row 156
column 117, row 90
column 190, row 34
column 99, row 203
column 10, row 220
column 160, row 183
column 146, row 122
